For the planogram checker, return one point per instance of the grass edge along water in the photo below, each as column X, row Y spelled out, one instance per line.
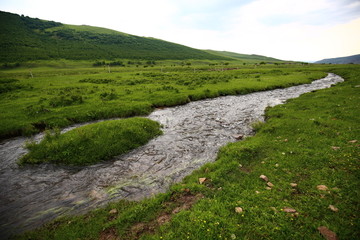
column 308, row 150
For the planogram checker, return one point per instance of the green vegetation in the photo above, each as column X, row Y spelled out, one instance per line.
column 245, row 57
column 24, row 39
column 49, row 94
column 310, row 141
column 92, row 143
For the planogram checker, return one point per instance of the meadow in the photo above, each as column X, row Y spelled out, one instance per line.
column 307, row 152
column 48, row 94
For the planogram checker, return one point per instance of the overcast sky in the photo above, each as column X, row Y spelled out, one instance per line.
column 305, row 30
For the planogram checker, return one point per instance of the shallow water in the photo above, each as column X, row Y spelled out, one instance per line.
column 193, row 134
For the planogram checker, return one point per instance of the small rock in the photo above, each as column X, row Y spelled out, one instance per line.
column 333, row 208
column 335, row 148
column 238, row 136
column 353, row 141
column 257, row 192
column 293, row 184
column 202, row 180
column 285, row 140
column 322, row 187
column 289, row 210
column 113, row 211
column 270, row 184
column 327, row 234
column 265, row 178
column 268, row 188
column 238, row 210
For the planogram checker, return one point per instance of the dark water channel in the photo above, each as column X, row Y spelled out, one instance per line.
column 193, row 134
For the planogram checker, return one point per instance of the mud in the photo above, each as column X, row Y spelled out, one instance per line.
column 193, row 134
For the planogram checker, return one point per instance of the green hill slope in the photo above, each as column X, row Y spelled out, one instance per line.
column 24, row 38
column 244, row 57
column 355, row 59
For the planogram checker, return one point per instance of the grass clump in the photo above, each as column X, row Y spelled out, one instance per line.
column 92, row 143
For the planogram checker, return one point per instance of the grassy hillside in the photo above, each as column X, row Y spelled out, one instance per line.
column 245, row 57
column 342, row 60
column 308, row 152
column 24, row 38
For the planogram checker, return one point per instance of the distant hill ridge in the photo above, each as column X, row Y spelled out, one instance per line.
column 24, row 38
column 244, row 57
column 342, row 60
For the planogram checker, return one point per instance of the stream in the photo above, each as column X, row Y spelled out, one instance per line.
column 193, row 133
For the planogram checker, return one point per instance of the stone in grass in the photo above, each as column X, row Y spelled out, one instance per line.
column 238, row 210
column 327, row 234
column 113, row 211
column 322, row 187
column 202, row 180
column 289, row 210
column 293, row 184
column 270, row 184
column 333, row 208
column 265, row 178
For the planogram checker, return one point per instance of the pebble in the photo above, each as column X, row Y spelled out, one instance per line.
column 238, row 210
column 265, row 178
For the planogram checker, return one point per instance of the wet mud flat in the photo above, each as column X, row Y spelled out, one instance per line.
column 193, row 133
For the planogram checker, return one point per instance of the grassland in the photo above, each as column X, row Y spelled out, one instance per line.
column 309, row 141
column 48, row 94
column 308, row 149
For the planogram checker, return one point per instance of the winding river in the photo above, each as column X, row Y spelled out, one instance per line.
column 193, row 134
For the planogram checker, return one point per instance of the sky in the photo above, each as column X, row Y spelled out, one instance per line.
column 301, row 30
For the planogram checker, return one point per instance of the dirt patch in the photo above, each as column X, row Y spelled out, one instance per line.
column 185, row 202
column 109, row 234
column 176, row 204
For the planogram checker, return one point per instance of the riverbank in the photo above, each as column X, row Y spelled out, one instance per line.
column 308, row 150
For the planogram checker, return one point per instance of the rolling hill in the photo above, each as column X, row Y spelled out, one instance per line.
column 24, row 38
column 244, row 57
column 342, row 60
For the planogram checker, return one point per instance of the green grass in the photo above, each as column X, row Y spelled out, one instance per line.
column 312, row 140
column 25, row 39
column 92, row 143
column 64, row 92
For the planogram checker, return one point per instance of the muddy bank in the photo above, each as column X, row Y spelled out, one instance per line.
column 193, row 133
